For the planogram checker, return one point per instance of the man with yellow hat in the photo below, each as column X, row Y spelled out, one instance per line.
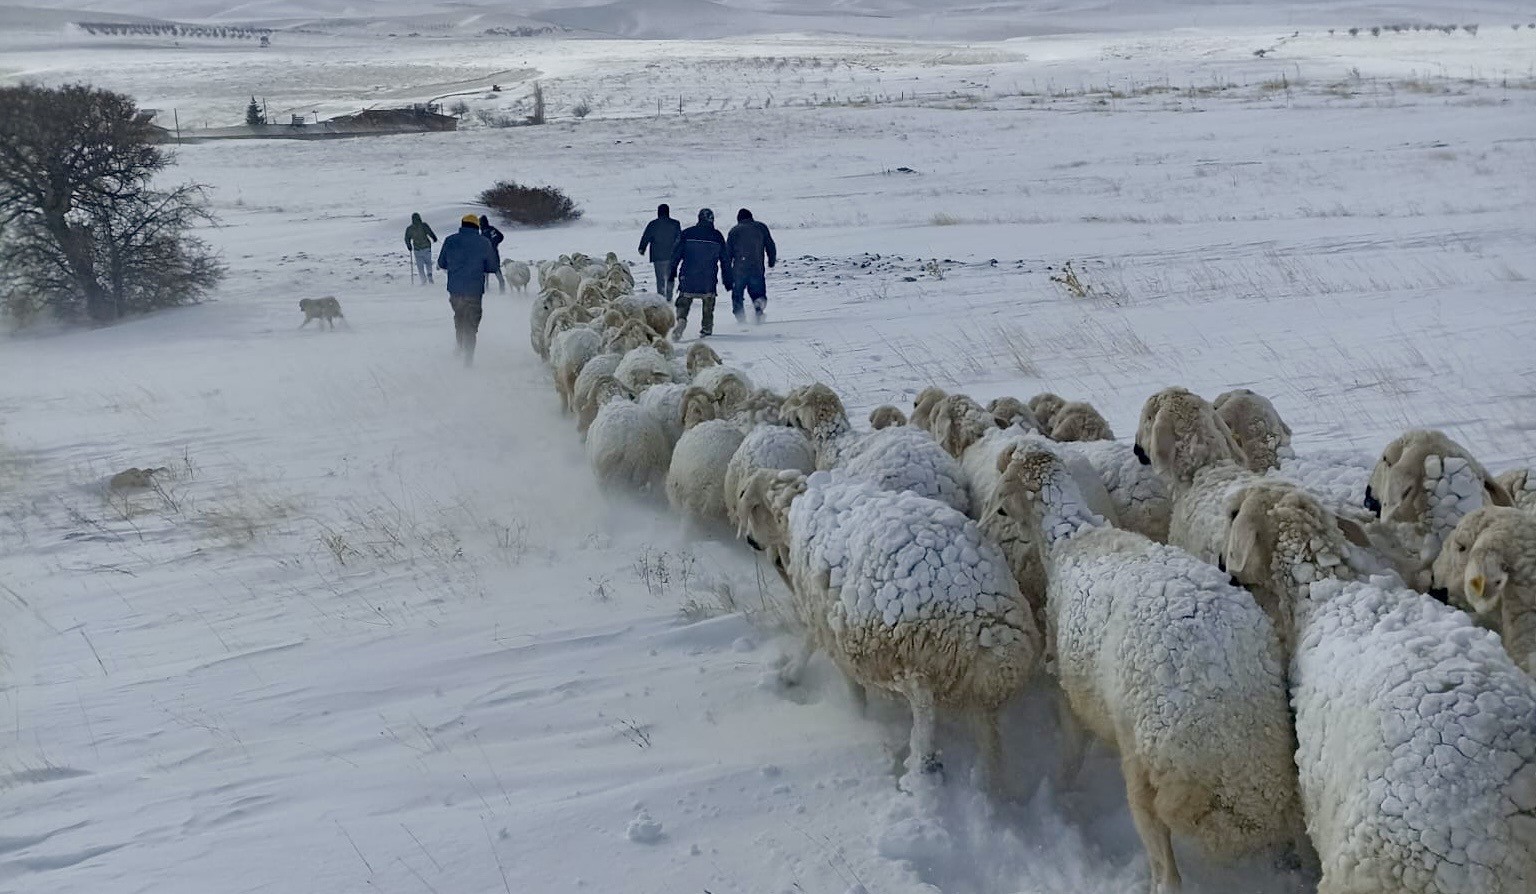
column 467, row 256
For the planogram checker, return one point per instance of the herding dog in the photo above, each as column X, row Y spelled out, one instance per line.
column 327, row 310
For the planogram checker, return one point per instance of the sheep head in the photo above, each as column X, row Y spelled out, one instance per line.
column 700, row 356
column 957, row 422
column 633, row 334
column 1256, row 425
column 1180, row 434
column 922, row 407
column 1010, row 411
column 730, row 392
column 1078, row 421
column 1274, row 527
column 885, row 416
column 698, row 406
column 762, row 507
column 813, row 408
column 1044, row 405
column 1401, row 483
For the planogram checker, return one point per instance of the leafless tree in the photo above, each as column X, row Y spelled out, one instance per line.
column 85, row 236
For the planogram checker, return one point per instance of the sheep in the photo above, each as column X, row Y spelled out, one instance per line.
column 700, row 356
column 1138, row 494
column 1417, row 750
column 1079, row 421
column 957, row 421
column 583, row 392
column 561, row 319
column 922, row 407
column 903, row 593
column 565, row 280
column 625, row 445
column 665, row 404
column 517, row 274
column 896, row 459
column 1182, row 438
column 1488, row 566
column 1255, row 425
column 643, row 367
column 1163, row 658
column 885, row 416
column 568, row 353
column 1426, row 482
column 631, row 335
column 1521, row 487
column 1010, row 411
column 728, row 385
column 696, row 479
column 538, row 318
column 649, row 308
column 773, row 447
column 1044, row 405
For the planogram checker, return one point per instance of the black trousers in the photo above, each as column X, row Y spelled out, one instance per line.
column 466, row 321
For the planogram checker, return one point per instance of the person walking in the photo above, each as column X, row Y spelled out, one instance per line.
column 494, row 236
column 745, row 250
column 468, row 257
column 661, row 236
column 696, row 263
column 418, row 241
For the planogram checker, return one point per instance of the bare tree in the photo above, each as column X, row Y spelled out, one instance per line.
column 84, row 233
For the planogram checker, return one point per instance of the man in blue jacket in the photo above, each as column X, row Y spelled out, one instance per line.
column 698, row 265
column 745, row 250
column 468, row 257
column 661, row 237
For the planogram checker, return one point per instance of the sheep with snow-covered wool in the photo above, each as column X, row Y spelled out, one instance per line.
column 1256, row 425
column 1426, row 482
column 538, row 318
column 957, row 420
column 765, row 446
column 1010, row 411
column 643, row 367
column 885, row 416
column 568, row 353
column 584, row 398
column 648, row 307
column 561, row 319
column 896, row 459
column 665, row 404
column 625, row 445
column 728, row 385
column 1393, row 787
column 1160, row 656
column 516, row 273
column 564, row 280
column 696, row 479
column 903, row 593
column 1488, row 566
column 1078, row 421
column 1521, row 485
column 922, row 407
column 700, row 356
column 1044, row 405
column 631, row 335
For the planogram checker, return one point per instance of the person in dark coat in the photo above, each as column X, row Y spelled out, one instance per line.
column 468, row 257
column 698, row 264
column 746, row 248
column 661, row 236
column 418, row 241
column 494, row 236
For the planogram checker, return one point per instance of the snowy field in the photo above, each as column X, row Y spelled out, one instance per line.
column 379, row 630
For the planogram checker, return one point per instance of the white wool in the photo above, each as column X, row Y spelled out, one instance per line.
column 696, row 479
column 665, row 404
column 568, row 353
column 1521, row 485
column 1339, row 477
column 727, row 384
column 1138, row 495
column 766, row 447
column 1179, row 669
column 516, row 273
column 1417, row 746
column 583, row 398
column 626, row 447
column 902, row 458
column 643, row 367
column 978, row 464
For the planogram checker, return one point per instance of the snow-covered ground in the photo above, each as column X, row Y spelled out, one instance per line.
column 378, row 629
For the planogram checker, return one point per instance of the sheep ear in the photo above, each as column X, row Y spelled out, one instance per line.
column 1164, row 442
column 1497, row 493
column 1006, row 457
column 1353, row 532
column 1485, row 581
column 1242, row 544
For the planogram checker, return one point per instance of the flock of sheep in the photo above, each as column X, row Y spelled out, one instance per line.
column 1289, row 651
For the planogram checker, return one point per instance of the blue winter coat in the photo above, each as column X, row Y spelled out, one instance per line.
column 745, row 247
column 699, row 260
column 468, row 257
column 661, row 237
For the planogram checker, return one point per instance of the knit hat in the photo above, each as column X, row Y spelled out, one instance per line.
column 743, row 215
column 470, row 220
column 706, row 216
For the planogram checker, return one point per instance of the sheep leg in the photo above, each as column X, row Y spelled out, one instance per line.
column 990, row 739
column 859, row 694
column 1155, row 835
column 794, row 668
column 1074, row 743
column 924, row 753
